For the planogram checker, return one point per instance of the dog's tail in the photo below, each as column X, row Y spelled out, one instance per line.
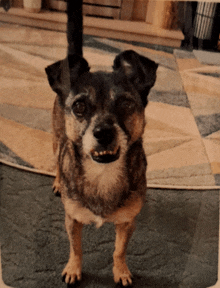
column 74, row 27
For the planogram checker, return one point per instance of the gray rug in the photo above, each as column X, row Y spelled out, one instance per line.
column 175, row 243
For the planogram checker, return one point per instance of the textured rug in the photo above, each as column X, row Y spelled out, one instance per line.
column 182, row 135
column 175, row 244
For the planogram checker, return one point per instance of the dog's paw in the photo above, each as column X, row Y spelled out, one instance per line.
column 71, row 273
column 56, row 192
column 56, row 188
column 122, row 275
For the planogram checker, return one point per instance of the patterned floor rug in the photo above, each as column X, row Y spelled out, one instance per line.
column 182, row 135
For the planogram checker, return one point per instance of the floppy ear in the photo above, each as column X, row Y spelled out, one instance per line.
column 139, row 70
column 64, row 73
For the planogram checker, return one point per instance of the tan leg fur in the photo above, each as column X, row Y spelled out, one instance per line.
column 120, row 270
column 73, row 269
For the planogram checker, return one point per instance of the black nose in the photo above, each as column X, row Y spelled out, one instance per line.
column 104, row 133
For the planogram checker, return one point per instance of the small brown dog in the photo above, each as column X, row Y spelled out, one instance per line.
column 98, row 122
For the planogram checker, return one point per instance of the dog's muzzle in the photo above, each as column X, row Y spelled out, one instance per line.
column 107, row 150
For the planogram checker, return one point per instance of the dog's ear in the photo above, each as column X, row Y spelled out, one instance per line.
column 63, row 74
column 139, row 70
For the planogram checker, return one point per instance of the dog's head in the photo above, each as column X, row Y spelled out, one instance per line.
column 104, row 112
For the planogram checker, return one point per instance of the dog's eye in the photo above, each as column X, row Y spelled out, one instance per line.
column 79, row 108
column 127, row 105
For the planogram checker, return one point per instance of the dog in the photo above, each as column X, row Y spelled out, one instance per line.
column 98, row 124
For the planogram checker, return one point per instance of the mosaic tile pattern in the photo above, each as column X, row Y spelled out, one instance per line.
column 182, row 136
column 202, row 83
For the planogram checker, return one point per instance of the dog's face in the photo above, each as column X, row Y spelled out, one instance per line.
column 104, row 112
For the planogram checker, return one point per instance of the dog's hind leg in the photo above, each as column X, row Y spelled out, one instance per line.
column 120, row 270
column 73, row 270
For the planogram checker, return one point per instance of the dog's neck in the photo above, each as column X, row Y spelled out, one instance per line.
column 102, row 188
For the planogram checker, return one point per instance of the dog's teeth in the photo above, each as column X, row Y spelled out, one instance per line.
column 105, row 152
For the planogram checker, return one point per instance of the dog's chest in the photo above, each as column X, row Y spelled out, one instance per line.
column 76, row 211
column 105, row 187
column 127, row 213
column 103, row 178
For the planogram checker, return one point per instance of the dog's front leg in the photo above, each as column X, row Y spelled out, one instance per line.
column 56, row 183
column 73, row 269
column 120, row 270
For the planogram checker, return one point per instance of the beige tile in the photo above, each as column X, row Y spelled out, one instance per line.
column 95, row 57
column 33, row 146
column 199, row 181
column 95, row 68
column 185, row 171
column 99, row 59
column 98, row 51
column 31, row 117
column 8, row 82
column 204, row 103
column 199, row 87
column 11, row 67
column 26, row 93
column 153, row 146
column 159, row 136
column 37, row 63
column 157, row 129
column 27, row 35
column 203, row 91
column 213, row 151
column 195, row 175
column 23, row 85
column 186, row 64
column 187, row 154
column 172, row 117
column 196, row 82
column 206, row 69
column 215, row 167
column 160, row 57
column 172, row 140
column 55, row 53
column 214, row 136
column 167, row 80
column 126, row 46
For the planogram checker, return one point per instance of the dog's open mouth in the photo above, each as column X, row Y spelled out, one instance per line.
column 106, row 156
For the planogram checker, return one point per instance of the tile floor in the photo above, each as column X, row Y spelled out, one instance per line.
column 183, row 116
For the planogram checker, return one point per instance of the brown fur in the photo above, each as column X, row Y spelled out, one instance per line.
column 98, row 123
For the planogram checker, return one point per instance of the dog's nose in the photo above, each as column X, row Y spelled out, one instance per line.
column 104, row 133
